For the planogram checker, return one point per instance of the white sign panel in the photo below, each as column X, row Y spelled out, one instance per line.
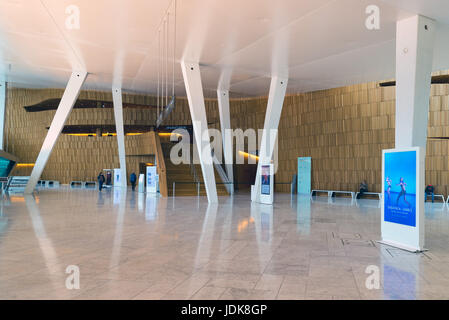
column 117, row 178
column 402, row 222
column 266, row 184
column 151, row 179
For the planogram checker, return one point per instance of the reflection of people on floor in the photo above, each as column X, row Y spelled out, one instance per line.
column 388, row 187
column 362, row 189
column 100, row 201
column 429, row 191
column 402, row 184
column 133, row 200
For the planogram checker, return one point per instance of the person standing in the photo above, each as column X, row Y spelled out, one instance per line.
column 133, row 179
column 108, row 178
column 100, row 179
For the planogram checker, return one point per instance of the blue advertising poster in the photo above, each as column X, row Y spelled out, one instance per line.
column 265, row 185
column 304, row 175
column 400, row 188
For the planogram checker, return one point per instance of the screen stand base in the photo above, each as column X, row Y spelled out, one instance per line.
column 401, row 246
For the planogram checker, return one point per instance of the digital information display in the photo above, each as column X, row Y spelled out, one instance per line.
column 402, row 221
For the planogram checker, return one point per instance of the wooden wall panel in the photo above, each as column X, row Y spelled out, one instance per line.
column 343, row 129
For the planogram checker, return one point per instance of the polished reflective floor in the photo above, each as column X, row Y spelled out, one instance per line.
column 137, row 246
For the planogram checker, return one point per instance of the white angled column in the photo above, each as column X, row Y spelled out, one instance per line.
column 2, row 113
column 276, row 97
column 194, row 89
column 119, row 128
column 414, row 57
column 225, row 124
column 62, row 113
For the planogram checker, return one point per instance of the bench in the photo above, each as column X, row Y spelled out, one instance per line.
column 76, row 184
column 52, row 184
column 435, row 196
column 371, row 194
column 90, row 184
column 330, row 193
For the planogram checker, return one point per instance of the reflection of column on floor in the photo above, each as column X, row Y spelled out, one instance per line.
column 226, row 230
column 55, row 270
column 120, row 200
column 207, row 236
column 141, row 202
column 262, row 218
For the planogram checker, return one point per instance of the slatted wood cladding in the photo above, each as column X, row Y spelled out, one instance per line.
column 78, row 157
column 343, row 129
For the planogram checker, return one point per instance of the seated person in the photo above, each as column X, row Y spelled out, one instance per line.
column 429, row 190
column 362, row 189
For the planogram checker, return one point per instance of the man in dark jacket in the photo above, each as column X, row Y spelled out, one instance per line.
column 100, row 179
column 133, row 179
column 429, row 190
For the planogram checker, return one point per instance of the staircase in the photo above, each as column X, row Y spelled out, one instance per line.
column 17, row 184
column 186, row 176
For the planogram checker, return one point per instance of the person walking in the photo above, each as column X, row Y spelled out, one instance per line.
column 100, row 179
column 133, row 179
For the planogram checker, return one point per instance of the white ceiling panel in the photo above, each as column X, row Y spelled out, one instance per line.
column 239, row 44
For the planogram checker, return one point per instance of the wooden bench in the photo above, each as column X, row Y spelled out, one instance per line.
column 330, row 193
column 371, row 194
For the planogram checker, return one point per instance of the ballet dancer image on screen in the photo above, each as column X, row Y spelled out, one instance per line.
column 388, row 180
column 402, row 184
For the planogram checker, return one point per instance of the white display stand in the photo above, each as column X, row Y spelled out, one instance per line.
column 266, row 184
column 151, row 180
column 402, row 223
column 117, row 177
column 141, row 186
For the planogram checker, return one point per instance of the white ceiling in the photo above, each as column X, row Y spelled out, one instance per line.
column 319, row 44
